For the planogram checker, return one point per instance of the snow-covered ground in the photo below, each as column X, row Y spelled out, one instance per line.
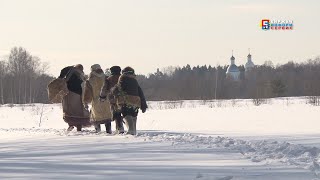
column 216, row 140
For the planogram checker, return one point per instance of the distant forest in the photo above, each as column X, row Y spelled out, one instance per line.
column 206, row 82
column 24, row 79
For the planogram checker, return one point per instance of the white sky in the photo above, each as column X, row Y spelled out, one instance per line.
column 147, row 34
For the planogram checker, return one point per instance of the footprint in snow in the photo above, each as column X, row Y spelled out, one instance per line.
column 226, row 178
column 202, row 177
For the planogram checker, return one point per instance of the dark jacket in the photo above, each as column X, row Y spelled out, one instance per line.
column 75, row 81
column 130, row 88
column 129, row 85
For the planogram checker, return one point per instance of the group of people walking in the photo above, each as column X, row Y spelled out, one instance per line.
column 117, row 98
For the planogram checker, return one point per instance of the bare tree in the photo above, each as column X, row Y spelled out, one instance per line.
column 3, row 71
column 25, row 70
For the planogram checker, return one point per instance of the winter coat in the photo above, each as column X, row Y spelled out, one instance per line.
column 100, row 111
column 75, row 80
column 110, row 82
column 113, row 80
column 74, row 113
column 129, row 93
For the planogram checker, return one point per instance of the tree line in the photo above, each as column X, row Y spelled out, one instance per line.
column 23, row 79
column 207, row 82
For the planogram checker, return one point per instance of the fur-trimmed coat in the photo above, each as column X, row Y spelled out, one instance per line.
column 129, row 93
column 110, row 82
column 100, row 111
column 74, row 113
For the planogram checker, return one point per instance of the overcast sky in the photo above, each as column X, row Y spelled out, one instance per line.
column 147, row 34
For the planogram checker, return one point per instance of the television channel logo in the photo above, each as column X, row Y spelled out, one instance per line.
column 267, row 24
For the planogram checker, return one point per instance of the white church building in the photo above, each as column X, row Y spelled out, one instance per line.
column 233, row 71
column 249, row 64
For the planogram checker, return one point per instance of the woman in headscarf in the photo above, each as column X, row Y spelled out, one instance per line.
column 74, row 112
column 100, row 112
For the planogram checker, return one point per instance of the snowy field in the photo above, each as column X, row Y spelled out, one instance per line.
column 202, row 140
